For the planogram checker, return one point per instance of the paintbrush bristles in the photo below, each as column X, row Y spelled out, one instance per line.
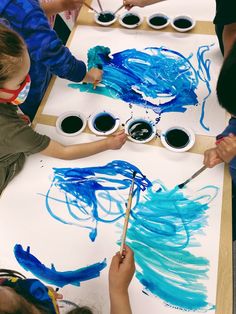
column 127, row 214
column 180, row 186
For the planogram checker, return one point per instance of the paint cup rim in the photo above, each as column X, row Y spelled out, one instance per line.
column 96, row 114
column 150, row 122
column 159, row 14
column 68, row 114
column 105, row 23
column 178, row 150
column 183, row 16
column 133, row 25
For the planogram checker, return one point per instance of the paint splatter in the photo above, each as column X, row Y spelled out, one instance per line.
column 157, row 78
column 164, row 226
column 50, row 275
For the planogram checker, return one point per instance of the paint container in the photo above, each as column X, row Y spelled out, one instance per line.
column 183, row 23
column 103, row 123
column 130, row 20
column 178, row 138
column 140, row 130
column 105, row 18
column 158, row 20
column 71, row 123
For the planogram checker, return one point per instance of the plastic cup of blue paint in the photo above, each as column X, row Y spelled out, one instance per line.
column 103, row 123
column 183, row 23
column 130, row 19
column 105, row 18
column 71, row 123
column 158, row 20
column 140, row 130
column 177, row 138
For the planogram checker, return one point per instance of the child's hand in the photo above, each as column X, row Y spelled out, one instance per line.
column 226, row 149
column 94, row 76
column 121, row 272
column 117, row 140
column 131, row 3
column 211, row 158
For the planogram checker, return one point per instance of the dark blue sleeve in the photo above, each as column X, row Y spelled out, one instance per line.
column 45, row 47
column 231, row 128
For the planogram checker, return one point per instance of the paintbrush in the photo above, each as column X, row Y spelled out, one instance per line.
column 100, row 6
column 180, row 186
column 128, row 208
column 121, row 7
column 88, row 6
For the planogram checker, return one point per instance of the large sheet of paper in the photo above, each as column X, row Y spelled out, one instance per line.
column 70, row 214
column 168, row 77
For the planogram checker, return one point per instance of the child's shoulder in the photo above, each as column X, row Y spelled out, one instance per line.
column 18, row 7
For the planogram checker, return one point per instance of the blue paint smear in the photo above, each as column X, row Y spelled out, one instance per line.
column 86, row 190
column 137, row 77
column 163, row 229
column 50, row 275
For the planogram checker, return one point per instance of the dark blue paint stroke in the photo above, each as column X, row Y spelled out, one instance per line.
column 204, row 75
column 164, row 225
column 156, row 72
column 50, row 275
column 161, row 231
column 83, row 187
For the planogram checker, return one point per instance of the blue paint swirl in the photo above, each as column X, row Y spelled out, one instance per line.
column 157, row 73
column 86, row 190
column 50, row 275
column 163, row 230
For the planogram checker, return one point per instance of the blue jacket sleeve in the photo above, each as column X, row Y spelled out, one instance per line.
column 231, row 128
column 45, row 47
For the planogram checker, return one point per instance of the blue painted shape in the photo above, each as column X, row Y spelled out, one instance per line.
column 137, row 77
column 163, row 229
column 162, row 232
column 86, row 189
column 50, row 275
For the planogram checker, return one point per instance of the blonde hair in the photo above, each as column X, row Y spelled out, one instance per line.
column 12, row 48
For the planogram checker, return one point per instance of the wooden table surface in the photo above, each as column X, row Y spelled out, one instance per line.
column 224, row 287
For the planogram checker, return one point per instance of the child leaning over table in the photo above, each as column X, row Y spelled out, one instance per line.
column 17, row 139
column 47, row 53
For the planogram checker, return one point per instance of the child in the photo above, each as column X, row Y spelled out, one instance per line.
column 17, row 139
column 139, row 3
column 30, row 296
column 48, row 55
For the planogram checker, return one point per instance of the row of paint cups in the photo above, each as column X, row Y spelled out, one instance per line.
column 139, row 129
column 181, row 23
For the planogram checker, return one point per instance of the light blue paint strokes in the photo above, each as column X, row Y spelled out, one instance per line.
column 156, row 78
column 92, row 195
column 162, row 231
column 50, row 275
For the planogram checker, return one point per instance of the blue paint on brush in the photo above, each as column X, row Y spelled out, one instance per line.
column 91, row 195
column 159, row 73
column 162, row 231
column 50, row 275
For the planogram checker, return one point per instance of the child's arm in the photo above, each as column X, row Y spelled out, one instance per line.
column 120, row 275
column 229, row 37
column 57, row 150
column 52, row 7
column 139, row 3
